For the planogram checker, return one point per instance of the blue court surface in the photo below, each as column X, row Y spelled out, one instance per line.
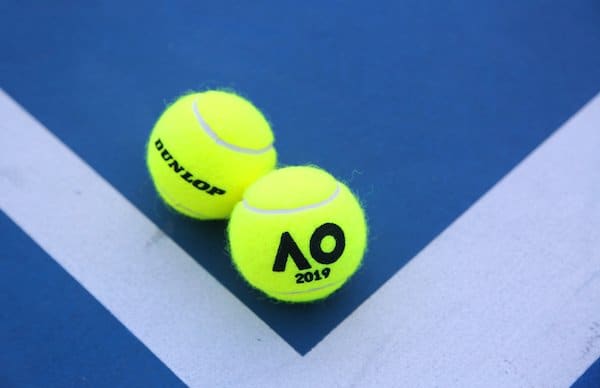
column 469, row 130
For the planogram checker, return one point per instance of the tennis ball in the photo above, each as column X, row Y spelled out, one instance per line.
column 298, row 234
column 206, row 149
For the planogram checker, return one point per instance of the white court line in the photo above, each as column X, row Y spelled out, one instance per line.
column 508, row 295
column 178, row 310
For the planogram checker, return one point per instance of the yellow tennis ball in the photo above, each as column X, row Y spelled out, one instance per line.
column 206, row 149
column 298, row 234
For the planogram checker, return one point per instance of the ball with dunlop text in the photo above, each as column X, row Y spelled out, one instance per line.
column 206, row 149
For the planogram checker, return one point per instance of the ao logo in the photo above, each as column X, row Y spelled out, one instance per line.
column 289, row 248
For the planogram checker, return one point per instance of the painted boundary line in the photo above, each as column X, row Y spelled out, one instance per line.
column 508, row 295
column 178, row 310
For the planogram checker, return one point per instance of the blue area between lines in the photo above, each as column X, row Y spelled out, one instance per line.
column 420, row 106
column 53, row 333
column 591, row 378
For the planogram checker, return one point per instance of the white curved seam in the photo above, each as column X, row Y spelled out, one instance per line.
column 213, row 135
column 294, row 210
column 307, row 291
